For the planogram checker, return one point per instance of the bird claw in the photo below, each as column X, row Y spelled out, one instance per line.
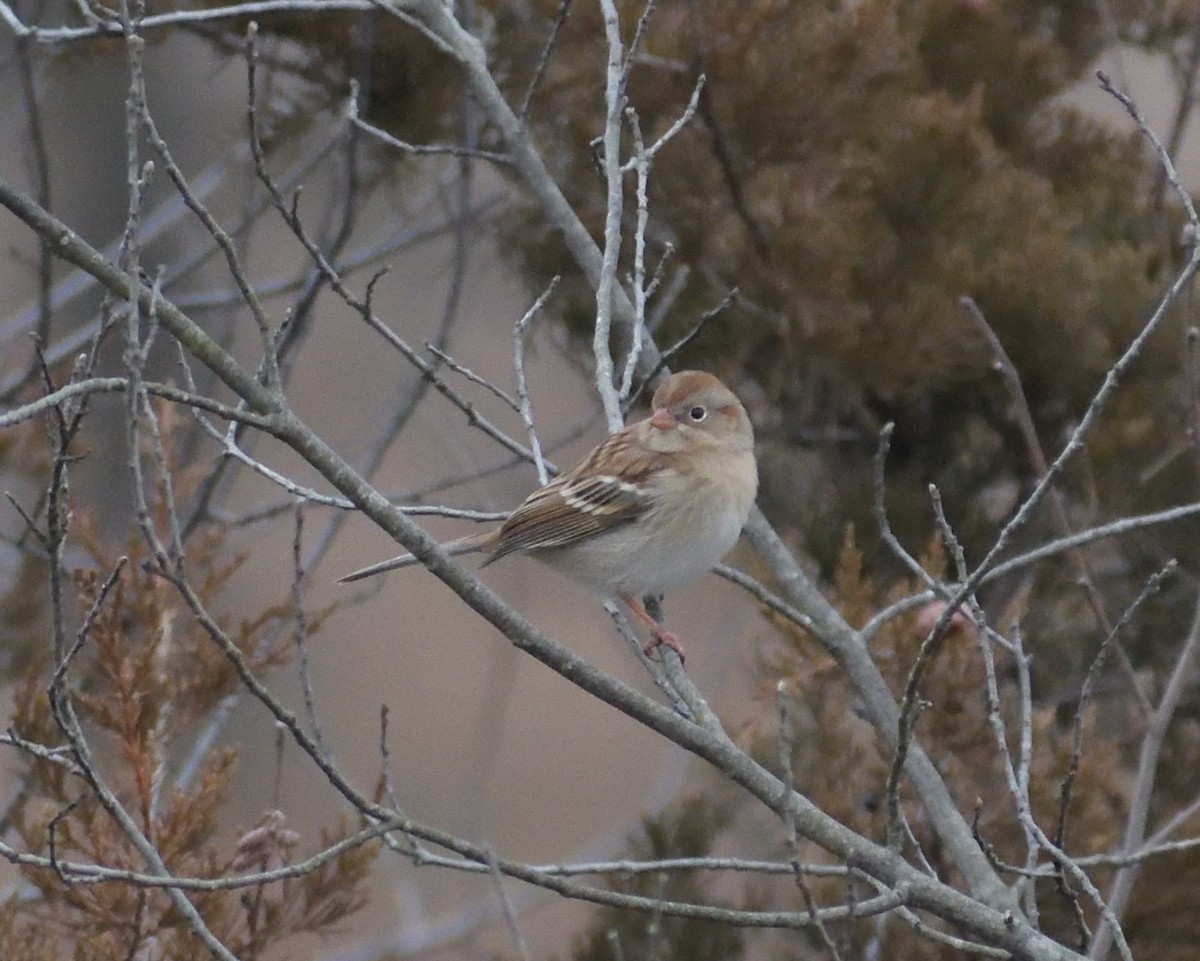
column 661, row 637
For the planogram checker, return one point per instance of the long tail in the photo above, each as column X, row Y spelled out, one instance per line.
column 462, row 545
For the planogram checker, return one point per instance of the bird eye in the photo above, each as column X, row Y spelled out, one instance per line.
column 697, row 413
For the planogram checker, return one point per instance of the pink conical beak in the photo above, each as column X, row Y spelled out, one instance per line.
column 663, row 419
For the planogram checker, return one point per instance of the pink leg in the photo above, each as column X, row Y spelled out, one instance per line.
column 659, row 635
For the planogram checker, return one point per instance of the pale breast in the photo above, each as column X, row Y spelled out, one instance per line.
column 664, row 548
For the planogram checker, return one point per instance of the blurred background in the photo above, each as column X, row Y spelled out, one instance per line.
column 852, row 170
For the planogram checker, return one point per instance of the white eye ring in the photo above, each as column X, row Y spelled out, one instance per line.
column 697, row 413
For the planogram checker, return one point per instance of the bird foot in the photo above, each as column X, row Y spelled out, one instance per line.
column 661, row 637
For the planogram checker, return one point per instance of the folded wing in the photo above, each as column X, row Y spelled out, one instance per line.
column 581, row 504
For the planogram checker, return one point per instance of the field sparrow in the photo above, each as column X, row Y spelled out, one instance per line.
column 652, row 508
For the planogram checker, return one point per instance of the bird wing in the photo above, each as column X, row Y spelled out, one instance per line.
column 585, row 501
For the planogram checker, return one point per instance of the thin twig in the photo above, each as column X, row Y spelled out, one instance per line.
column 525, row 408
column 560, row 18
column 300, row 628
column 785, row 748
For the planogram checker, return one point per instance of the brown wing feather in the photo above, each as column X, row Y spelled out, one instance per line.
column 585, row 501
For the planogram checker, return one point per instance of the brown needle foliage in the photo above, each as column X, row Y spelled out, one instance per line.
column 145, row 677
column 844, row 767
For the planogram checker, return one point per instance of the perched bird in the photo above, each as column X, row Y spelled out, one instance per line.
column 651, row 508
